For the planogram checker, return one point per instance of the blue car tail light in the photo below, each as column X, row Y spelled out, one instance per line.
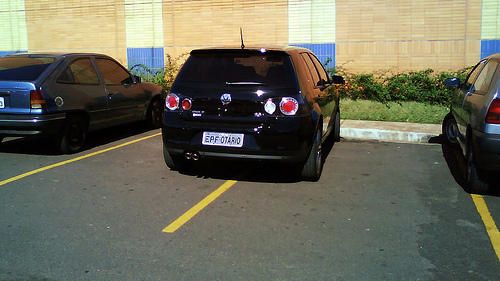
column 37, row 100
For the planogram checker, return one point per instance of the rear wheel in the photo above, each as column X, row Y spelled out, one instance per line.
column 72, row 136
column 449, row 130
column 155, row 114
column 478, row 181
column 336, row 129
column 311, row 171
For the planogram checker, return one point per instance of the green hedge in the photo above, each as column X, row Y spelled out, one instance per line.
column 424, row 86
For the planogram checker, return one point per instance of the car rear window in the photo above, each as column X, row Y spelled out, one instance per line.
column 21, row 68
column 238, row 69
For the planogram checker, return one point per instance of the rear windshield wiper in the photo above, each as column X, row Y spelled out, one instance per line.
column 246, row 84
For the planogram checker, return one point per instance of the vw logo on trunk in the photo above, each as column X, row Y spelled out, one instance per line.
column 225, row 99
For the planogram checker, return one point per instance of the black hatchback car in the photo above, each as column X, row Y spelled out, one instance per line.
column 260, row 104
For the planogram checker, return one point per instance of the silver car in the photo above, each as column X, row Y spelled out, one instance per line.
column 473, row 124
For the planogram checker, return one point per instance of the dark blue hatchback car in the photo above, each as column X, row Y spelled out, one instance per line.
column 256, row 104
column 64, row 96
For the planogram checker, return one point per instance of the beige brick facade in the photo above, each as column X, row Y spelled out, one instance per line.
column 408, row 35
column 361, row 35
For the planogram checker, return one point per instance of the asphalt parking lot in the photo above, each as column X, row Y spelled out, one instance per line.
column 381, row 211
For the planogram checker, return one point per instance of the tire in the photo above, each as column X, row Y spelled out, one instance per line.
column 311, row 171
column 154, row 114
column 449, row 130
column 477, row 180
column 173, row 162
column 336, row 128
column 72, row 136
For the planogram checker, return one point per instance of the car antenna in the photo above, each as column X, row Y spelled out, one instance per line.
column 241, row 35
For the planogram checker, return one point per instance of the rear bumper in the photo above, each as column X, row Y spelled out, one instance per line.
column 287, row 140
column 29, row 125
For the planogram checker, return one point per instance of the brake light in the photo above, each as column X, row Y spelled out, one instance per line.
column 493, row 115
column 289, row 106
column 186, row 104
column 172, row 101
column 37, row 101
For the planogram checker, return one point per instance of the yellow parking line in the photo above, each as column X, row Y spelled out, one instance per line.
column 489, row 223
column 72, row 160
column 198, row 207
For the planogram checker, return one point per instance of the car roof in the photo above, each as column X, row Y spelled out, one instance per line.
column 251, row 49
column 55, row 54
column 494, row 56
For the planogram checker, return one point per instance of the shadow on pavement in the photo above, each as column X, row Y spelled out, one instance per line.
column 251, row 171
column 456, row 163
column 44, row 146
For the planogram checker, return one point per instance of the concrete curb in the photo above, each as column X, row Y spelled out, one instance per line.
column 389, row 131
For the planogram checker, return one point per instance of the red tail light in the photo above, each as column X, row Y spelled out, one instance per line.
column 289, row 106
column 37, row 100
column 493, row 115
column 172, row 101
column 186, row 104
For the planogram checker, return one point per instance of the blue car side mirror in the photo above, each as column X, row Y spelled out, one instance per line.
column 452, row 82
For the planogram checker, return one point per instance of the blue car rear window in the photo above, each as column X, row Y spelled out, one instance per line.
column 22, row 68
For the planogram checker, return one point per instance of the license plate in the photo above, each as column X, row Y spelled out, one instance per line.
column 2, row 102
column 223, row 139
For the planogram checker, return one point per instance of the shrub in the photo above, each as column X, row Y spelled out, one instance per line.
column 424, row 86
column 163, row 77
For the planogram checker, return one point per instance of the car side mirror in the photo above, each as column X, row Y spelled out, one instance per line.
column 452, row 82
column 337, row 79
column 136, row 79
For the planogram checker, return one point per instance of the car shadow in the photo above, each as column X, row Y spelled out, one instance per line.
column 456, row 164
column 250, row 171
column 45, row 146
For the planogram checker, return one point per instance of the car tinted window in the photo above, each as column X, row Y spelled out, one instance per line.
column 80, row 71
column 312, row 69
column 269, row 69
column 483, row 80
column 112, row 72
column 323, row 75
column 23, row 68
column 474, row 73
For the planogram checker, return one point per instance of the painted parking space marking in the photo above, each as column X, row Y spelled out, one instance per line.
column 39, row 170
column 198, row 207
column 488, row 221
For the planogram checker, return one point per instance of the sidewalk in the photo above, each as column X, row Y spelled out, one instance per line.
column 389, row 131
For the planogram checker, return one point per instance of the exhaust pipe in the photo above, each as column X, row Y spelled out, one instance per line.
column 188, row 155
column 195, row 156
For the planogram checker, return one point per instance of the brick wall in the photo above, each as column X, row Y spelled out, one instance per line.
column 360, row 35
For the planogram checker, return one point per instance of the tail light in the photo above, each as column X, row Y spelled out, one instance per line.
column 172, row 101
column 289, row 106
column 37, row 101
column 186, row 104
column 493, row 115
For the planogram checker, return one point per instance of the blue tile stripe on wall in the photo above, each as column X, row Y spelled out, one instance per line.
column 6, row 53
column 152, row 58
column 324, row 52
column 489, row 47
